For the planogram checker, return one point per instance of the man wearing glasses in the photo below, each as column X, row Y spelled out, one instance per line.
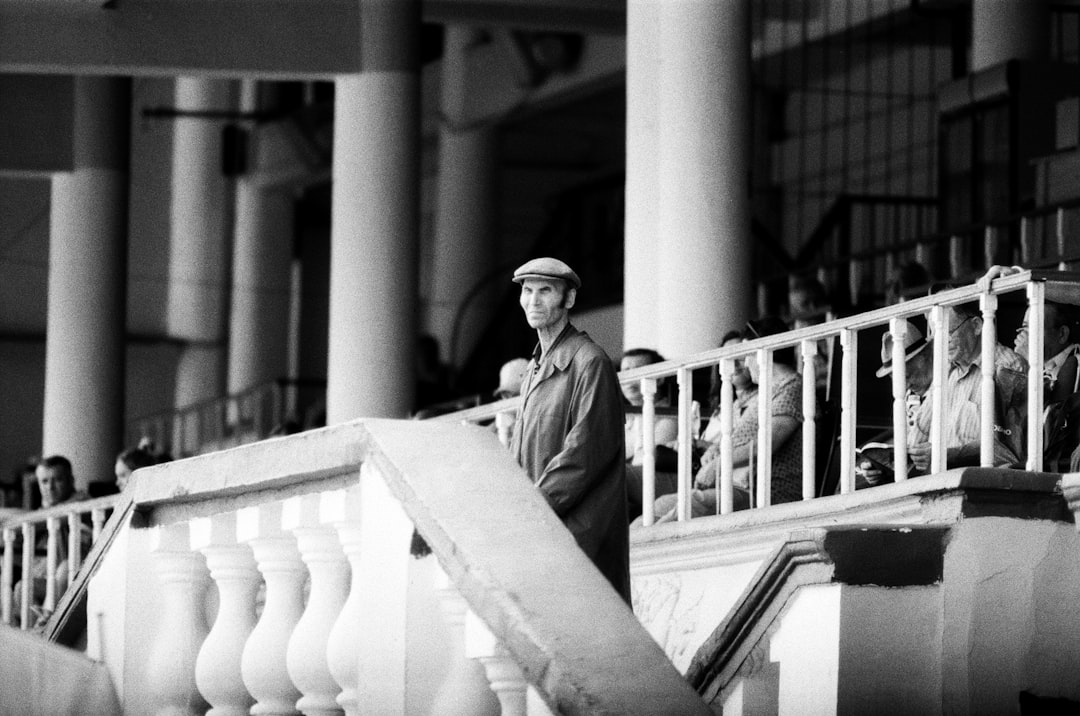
column 963, row 398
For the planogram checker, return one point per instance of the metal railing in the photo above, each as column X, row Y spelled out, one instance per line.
column 222, row 422
column 71, row 529
column 1038, row 287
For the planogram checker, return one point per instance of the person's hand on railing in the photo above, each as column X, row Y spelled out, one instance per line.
column 994, row 272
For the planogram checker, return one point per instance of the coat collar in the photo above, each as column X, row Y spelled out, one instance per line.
column 558, row 356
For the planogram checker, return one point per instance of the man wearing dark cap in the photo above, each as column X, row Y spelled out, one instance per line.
column 569, row 433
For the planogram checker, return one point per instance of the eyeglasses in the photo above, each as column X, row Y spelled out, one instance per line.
column 952, row 329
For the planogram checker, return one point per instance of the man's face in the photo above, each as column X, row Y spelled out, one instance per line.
column 55, row 483
column 544, row 303
column 920, row 371
column 1053, row 337
column 632, row 390
column 965, row 336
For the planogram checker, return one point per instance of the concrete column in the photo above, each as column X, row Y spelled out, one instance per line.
column 374, row 227
column 1003, row 30
column 262, row 256
column 465, row 211
column 640, row 289
column 701, row 264
column 84, row 349
column 199, row 254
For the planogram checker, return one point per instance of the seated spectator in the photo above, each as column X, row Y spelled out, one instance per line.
column 875, row 462
column 963, row 396
column 786, row 446
column 1061, row 382
column 665, row 432
column 808, row 302
column 132, row 459
column 57, row 485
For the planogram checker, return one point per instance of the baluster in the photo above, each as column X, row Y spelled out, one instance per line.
column 898, row 328
column 232, row 567
column 465, row 689
column 52, row 562
column 849, row 345
column 7, row 576
column 97, row 519
column 648, row 437
column 341, row 509
column 988, row 304
column 26, row 585
column 727, row 413
column 74, row 548
column 321, row 551
column 170, row 666
column 686, row 457
column 504, row 423
column 1036, row 296
column 939, row 325
column 808, row 349
column 764, row 436
column 263, row 663
column 504, row 676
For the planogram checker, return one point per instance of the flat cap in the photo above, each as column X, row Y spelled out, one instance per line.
column 547, row 268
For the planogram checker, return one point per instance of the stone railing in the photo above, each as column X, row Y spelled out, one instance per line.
column 201, row 599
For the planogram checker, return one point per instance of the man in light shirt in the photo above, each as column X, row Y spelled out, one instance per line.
column 963, row 399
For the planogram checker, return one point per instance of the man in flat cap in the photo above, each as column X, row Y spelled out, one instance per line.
column 569, row 434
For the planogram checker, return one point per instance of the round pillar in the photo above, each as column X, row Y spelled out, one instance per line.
column 261, row 283
column 1003, row 30
column 199, row 255
column 640, row 327
column 464, row 212
column 702, row 260
column 374, row 227
column 84, row 346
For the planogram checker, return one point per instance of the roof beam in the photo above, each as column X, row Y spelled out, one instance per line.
column 227, row 38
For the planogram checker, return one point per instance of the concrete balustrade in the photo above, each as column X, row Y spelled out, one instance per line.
column 232, row 567
column 329, row 572
column 263, row 664
column 341, row 509
column 181, row 623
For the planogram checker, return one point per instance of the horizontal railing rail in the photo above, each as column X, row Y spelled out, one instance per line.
column 1038, row 287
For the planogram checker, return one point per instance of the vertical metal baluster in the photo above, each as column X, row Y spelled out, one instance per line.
column 898, row 329
column 939, row 322
column 764, row 459
column 727, row 415
column 97, row 519
column 52, row 560
column 74, row 555
column 808, row 349
column 648, row 436
column 686, row 398
column 990, row 246
column 988, row 304
column 7, row 576
column 27, row 595
column 1036, row 296
column 849, row 345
